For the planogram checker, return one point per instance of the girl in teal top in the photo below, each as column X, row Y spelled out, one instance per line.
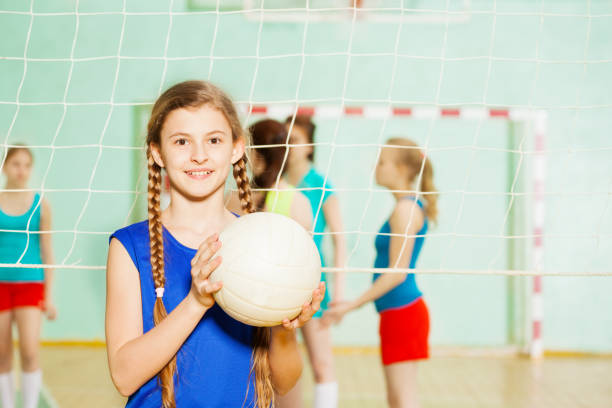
column 24, row 291
column 267, row 164
column 325, row 208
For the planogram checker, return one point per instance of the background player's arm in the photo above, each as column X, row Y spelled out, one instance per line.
column 300, row 211
column 134, row 357
column 333, row 217
column 46, row 254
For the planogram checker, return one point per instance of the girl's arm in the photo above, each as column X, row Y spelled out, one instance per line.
column 284, row 355
column 285, row 359
column 407, row 219
column 134, row 357
column 46, row 254
column 333, row 217
column 300, row 211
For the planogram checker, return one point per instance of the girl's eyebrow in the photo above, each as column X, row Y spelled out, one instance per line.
column 212, row 132
column 180, row 134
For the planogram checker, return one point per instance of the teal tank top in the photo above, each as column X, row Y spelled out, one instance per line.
column 14, row 243
column 317, row 191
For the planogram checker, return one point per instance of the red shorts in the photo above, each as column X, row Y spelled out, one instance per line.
column 21, row 294
column 404, row 333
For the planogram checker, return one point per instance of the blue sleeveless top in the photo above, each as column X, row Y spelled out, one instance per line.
column 12, row 245
column 214, row 363
column 407, row 291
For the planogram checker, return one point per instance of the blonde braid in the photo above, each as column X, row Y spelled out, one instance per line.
column 166, row 375
column 244, row 186
column 264, row 391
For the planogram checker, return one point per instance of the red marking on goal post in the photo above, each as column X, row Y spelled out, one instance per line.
column 259, row 109
column 499, row 113
column 449, row 112
column 353, row 110
column 306, row 110
column 402, row 111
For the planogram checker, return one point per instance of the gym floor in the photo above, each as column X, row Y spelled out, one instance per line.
column 78, row 377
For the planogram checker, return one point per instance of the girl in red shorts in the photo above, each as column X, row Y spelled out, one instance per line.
column 404, row 319
column 24, row 292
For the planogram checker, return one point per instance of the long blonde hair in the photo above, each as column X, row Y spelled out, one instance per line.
column 415, row 159
column 196, row 94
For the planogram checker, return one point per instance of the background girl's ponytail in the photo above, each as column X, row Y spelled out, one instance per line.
column 414, row 158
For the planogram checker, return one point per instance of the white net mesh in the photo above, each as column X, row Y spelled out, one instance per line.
column 458, row 77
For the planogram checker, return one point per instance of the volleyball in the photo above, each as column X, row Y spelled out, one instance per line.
column 270, row 268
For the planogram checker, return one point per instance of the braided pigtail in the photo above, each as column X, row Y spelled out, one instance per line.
column 264, row 391
column 166, row 375
column 244, row 187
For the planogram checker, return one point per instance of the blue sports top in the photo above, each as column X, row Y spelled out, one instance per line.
column 407, row 291
column 12, row 245
column 214, row 363
column 319, row 188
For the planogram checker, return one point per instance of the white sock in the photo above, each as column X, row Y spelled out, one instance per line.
column 326, row 395
column 30, row 388
column 7, row 390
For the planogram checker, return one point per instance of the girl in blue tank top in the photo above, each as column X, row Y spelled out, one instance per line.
column 25, row 292
column 169, row 345
column 404, row 319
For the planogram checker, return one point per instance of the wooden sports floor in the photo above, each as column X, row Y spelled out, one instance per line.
column 78, row 377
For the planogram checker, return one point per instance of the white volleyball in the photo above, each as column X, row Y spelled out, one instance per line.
column 269, row 269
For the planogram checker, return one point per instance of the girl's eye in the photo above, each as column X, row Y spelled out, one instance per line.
column 215, row 140
column 181, row 142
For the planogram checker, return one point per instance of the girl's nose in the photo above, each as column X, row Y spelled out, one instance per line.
column 198, row 153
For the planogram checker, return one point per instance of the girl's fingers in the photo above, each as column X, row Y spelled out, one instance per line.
column 206, row 287
column 206, row 249
column 307, row 312
column 211, row 288
column 287, row 324
column 201, row 248
column 204, row 271
column 317, row 297
column 321, row 292
column 208, row 253
column 308, row 309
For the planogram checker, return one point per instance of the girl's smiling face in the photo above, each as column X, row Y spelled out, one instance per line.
column 197, row 150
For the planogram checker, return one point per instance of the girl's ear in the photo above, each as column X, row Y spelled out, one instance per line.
column 238, row 150
column 155, row 152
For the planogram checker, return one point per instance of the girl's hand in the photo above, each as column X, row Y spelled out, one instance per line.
column 201, row 267
column 336, row 311
column 308, row 309
column 49, row 309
